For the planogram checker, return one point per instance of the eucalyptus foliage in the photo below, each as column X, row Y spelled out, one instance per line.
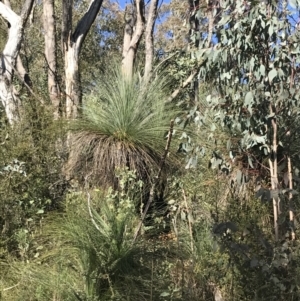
column 254, row 66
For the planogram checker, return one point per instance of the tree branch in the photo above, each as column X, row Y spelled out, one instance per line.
column 86, row 22
column 182, row 86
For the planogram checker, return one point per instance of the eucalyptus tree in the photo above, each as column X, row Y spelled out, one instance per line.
column 253, row 65
column 72, row 43
column 139, row 20
column 9, row 56
column 50, row 54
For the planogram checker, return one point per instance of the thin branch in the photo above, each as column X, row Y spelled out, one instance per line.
column 86, row 22
column 25, row 83
column 274, row 175
column 189, row 221
column 291, row 212
column 163, row 61
column 9, row 288
column 182, row 86
column 156, row 180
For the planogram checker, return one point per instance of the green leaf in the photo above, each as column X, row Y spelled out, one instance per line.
column 239, row 177
column 253, row 24
column 165, row 294
column 224, row 20
column 272, row 74
column 41, row 211
column 262, row 70
column 293, row 3
column 229, row 144
column 250, row 162
column 248, row 99
column 271, row 29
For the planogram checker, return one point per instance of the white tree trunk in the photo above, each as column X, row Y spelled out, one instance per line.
column 132, row 38
column 8, row 101
column 9, row 56
column 50, row 54
column 72, row 43
column 73, row 91
column 152, row 14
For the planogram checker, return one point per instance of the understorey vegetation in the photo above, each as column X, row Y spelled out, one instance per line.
column 149, row 150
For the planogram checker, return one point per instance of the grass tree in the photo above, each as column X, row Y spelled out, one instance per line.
column 124, row 124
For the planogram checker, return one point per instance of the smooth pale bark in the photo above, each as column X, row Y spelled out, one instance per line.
column 130, row 20
column 22, row 73
column 152, row 14
column 9, row 56
column 274, row 174
column 50, row 54
column 72, row 43
column 73, row 91
column 132, row 37
column 291, row 210
column 210, row 20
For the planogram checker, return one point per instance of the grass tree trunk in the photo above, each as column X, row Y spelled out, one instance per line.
column 72, row 43
column 50, row 54
column 134, row 29
column 9, row 56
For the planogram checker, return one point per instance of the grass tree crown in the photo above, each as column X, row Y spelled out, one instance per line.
column 124, row 125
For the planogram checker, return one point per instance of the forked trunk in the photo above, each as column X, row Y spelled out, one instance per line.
column 134, row 28
column 72, row 43
column 9, row 56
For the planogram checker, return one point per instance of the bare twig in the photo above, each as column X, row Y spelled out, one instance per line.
column 189, row 220
column 11, row 287
column 24, row 82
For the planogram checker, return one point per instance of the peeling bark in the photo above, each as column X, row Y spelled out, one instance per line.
column 50, row 54
column 72, row 43
column 9, row 56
